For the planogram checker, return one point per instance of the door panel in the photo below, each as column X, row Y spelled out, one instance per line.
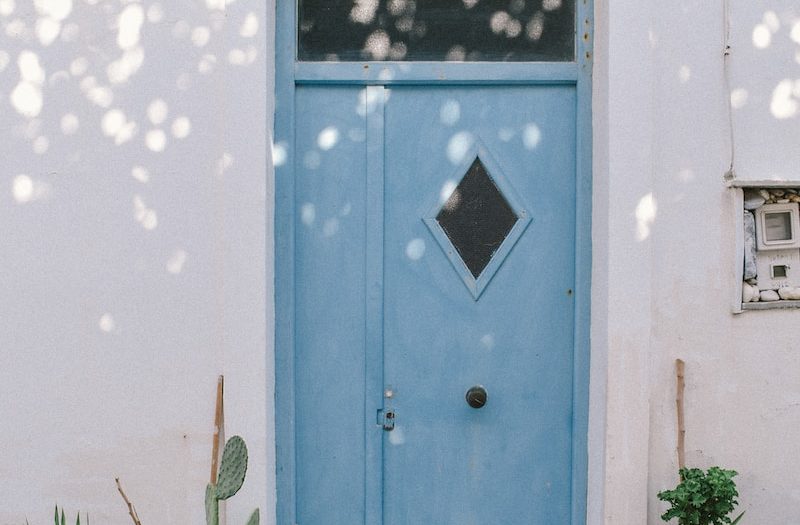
column 329, row 290
column 509, row 462
column 444, row 463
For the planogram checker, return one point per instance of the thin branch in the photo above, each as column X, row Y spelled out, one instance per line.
column 131, row 508
column 219, row 419
column 680, row 376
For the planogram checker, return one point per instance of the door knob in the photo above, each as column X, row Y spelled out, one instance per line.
column 476, row 396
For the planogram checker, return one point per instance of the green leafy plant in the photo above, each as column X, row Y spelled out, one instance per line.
column 230, row 478
column 702, row 498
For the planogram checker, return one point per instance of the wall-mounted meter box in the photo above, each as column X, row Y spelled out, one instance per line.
column 767, row 244
column 778, row 226
column 778, row 245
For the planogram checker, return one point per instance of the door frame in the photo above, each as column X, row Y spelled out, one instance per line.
column 288, row 75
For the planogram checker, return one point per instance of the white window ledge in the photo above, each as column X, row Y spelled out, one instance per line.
column 771, row 305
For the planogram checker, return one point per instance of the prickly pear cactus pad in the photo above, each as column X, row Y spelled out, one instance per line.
column 232, row 468
column 230, row 477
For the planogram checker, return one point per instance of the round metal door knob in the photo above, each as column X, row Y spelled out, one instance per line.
column 476, row 396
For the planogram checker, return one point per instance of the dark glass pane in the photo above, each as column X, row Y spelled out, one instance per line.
column 469, row 30
column 476, row 218
column 778, row 226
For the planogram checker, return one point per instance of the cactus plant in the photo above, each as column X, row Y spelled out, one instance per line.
column 232, row 469
column 230, row 478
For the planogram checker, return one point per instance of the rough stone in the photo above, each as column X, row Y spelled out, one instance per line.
column 749, row 293
column 770, row 295
column 788, row 293
column 765, row 194
column 778, row 193
column 753, row 200
column 782, row 201
column 750, row 269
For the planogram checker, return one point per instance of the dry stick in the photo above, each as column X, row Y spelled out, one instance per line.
column 218, row 422
column 131, row 508
column 680, row 367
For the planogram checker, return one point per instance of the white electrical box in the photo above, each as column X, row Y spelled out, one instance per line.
column 778, row 226
column 778, row 245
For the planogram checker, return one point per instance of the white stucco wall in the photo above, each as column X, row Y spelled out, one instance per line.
column 621, row 273
column 664, row 248
column 743, row 374
column 134, row 210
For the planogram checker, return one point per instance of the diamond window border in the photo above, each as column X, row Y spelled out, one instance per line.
column 477, row 286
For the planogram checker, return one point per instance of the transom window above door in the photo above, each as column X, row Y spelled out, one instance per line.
column 437, row 30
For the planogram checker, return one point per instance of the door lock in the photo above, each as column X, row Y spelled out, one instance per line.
column 386, row 415
column 388, row 420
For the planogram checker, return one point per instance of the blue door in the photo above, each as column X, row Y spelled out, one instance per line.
column 432, row 288
column 458, row 315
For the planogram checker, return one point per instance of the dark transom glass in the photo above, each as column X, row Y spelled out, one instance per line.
column 476, row 218
column 436, row 30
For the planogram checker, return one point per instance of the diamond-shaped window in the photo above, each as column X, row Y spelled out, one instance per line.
column 476, row 218
column 479, row 222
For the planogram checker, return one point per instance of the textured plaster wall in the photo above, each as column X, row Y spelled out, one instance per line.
column 621, row 275
column 664, row 267
column 664, row 255
column 134, row 204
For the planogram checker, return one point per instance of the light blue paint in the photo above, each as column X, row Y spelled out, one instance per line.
column 285, row 472
column 426, row 73
column 365, row 299
column 584, row 38
column 330, row 337
column 374, row 383
column 509, row 462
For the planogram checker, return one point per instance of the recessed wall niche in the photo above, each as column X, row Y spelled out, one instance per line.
column 768, row 246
